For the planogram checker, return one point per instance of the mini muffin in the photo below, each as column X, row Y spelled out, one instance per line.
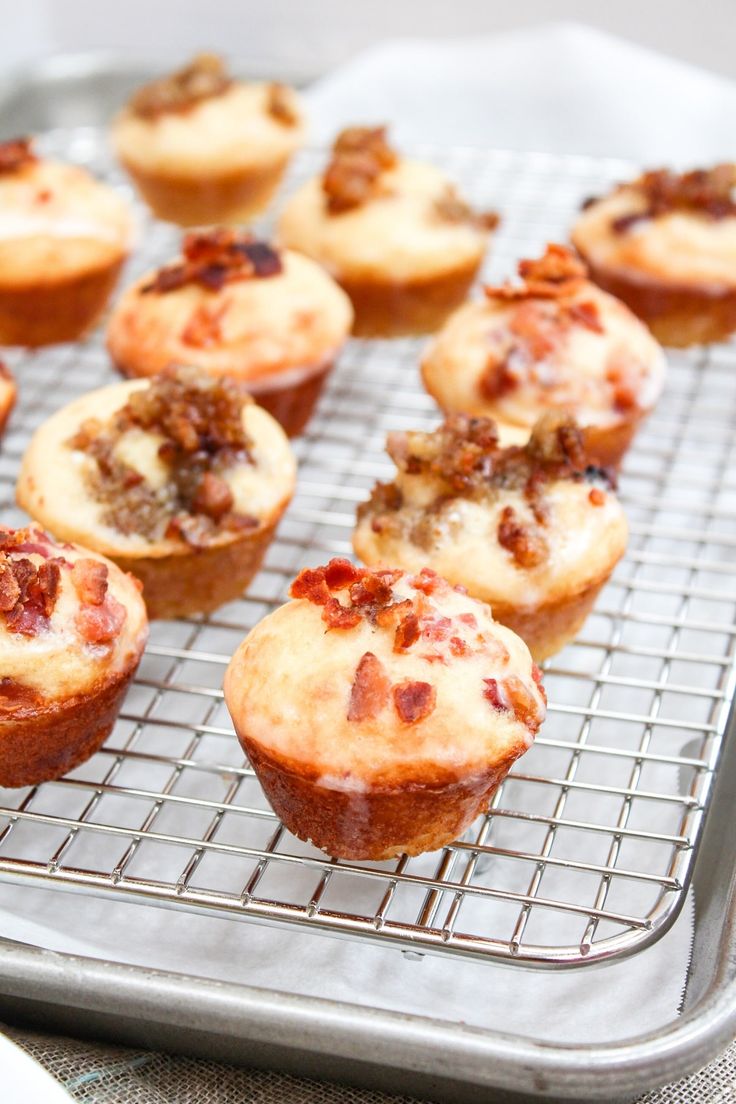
column 666, row 245
column 202, row 147
column 530, row 529
column 554, row 341
column 233, row 306
column 72, row 632
column 394, row 233
column 8, row 395
column 63, row 239
column 180, row 480
column 381, row 710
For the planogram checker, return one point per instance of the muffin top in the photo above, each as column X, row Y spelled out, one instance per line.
column 199, row 119
column 552, row 341
column 233, row 306
column 152, row 468
column 55, row 219
column 68, row 618
column 679, row 228
column 373, row 213
column 516, row 525
column 383, row 679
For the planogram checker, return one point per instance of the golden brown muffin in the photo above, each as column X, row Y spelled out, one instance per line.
column 394, row 233
column 8, row 395
column 180, row 480
column 381, row 710
column 72, row 631
column 553, row 341
column 666, row 245
column 532, row 530
column 63, row 239
column 204, row 148
column 235, row 307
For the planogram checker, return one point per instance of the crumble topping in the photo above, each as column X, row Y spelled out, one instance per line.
column 349, row 595
column 29, row 591
column 205, row 77
column 359, row 156
column 464, row 459
column 15, row 153
column 201, row 422
column 451, row 207
column 705, row 192
column 213, row 258
column 280, row 104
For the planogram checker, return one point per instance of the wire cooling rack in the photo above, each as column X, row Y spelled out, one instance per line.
column 587, row 850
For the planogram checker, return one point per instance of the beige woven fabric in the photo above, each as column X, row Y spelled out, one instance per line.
column 98, row 1074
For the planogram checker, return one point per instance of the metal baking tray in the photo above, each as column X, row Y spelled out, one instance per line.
column 591, row 843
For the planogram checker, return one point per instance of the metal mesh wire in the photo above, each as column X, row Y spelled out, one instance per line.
column 587, row 849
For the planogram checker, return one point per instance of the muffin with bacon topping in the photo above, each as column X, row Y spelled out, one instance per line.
column 530, row 529
column 381, row 710
column 72, row 632
column 395, row 233
column 180, row 480
column 235, row 307
column 8, row 395
column 666, row 245
column 553, row 341
column 203, row 147
column 63, row 239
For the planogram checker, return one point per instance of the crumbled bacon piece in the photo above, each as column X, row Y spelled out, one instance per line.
column 359, row 156
column 202, row 79
column 90, row 581
column 280, row 104
column 458, row 647
column 28, row 593
column 213, row 497
column 449, row 206
column 15, row 696
column 492, row 693
column 414, row 701
column 525, row 543
column 558, row 273
column 523, row 703
column 468, row 619
column 341, row 573
column 438, row 628
column 214, row 258
column 100, row 624
column 370, row 690
column 587, row 315
column 407, row 632
column 310, row 584
column 596, row 496
column 337, row 616
column 388, row 616
column 498, row 378
column 16, row 153
column 705, row 192
column 204, row 327
column 427, row 581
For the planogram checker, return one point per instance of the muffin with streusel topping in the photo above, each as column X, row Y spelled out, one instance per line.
column 203, row 147
column 63, row 239
column 394, row 232
column 532, row 530
column 552, row 341
column 236, row 307
column 180, row 480
column 72, row 631
column 381, row 710
column 8, row 395
column 666, row 245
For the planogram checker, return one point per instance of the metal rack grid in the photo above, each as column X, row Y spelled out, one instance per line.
column 587, row 850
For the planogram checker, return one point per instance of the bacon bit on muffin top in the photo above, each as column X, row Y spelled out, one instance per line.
column 205, row 77
column 29, row 590
column 201, row 422
column 555, row 275
column 15, row 153
column 463, row 457
column 705, row 192
column 350, row 595
column 359, row 156
column 213, row 258
column 451, row 207
column 280, row 105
